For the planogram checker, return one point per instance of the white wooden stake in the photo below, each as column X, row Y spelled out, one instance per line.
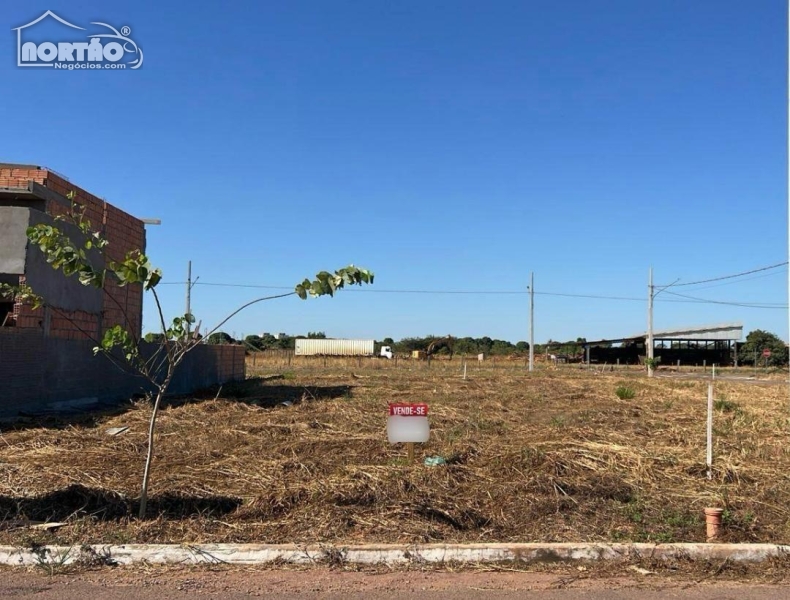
column 710, row 431
column 464, row 369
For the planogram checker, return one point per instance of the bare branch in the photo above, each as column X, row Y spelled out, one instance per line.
column 243, row 306
column 162, row 321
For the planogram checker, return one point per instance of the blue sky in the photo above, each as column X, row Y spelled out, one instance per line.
column 444, row 145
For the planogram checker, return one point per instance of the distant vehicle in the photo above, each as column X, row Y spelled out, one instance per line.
column 330, row 347
column 445, row 343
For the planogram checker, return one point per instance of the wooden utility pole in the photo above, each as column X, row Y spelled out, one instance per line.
column 649, row 353
column 531, row 321
column 189, row 295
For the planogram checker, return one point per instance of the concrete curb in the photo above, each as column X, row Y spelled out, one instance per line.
column 262, row 554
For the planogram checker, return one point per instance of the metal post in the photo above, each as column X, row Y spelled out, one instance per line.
column 531, row 321
column 650, row 324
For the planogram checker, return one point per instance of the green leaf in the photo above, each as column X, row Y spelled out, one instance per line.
column 154, row 277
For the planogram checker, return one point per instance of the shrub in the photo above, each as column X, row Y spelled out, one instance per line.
column 625, row 393
column 725, row 405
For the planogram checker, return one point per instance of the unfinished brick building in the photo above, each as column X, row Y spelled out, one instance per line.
column 31, row 195
column 46, row 355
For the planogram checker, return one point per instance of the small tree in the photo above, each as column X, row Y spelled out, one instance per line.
column 77, row 258
column 759, row 340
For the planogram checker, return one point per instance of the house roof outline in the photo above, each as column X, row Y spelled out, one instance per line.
column 48, row 13
column 19, row 29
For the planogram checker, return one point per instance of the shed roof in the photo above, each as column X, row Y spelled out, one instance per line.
column 716, row 332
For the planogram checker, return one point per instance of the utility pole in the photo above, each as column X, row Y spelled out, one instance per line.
column 189, row 295
column 650, row 324
column 531, row 320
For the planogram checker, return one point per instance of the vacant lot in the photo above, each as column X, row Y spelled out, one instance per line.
column 301, row 455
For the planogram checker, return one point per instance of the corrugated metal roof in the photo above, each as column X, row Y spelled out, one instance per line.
column 718, row 331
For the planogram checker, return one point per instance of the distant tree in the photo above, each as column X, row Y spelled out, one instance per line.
column 411, row 343
column 522, row 346
column 219, row 338
column 316, row 335
column 759, row 340
column 253, row 342
column 285, row 342
column 501, row 347
column 268, row 341
column 388, row 341
column 466, row 345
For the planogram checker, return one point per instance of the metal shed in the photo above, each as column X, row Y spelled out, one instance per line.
column 711, row 344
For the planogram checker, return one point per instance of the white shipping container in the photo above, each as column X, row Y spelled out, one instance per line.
column 323, row 347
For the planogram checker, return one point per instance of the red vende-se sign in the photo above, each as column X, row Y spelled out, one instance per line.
column 408, row 410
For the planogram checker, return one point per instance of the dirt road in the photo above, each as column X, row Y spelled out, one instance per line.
column 190, row 584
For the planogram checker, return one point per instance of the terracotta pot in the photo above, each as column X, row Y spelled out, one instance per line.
column 713, row 522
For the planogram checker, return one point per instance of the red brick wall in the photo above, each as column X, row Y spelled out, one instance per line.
column 122, row 305
column 18, row 178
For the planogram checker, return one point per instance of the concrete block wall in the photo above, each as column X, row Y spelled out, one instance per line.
column 122, row 305
column 40, row 373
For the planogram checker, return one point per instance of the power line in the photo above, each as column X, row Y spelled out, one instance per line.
column 743, row 304
column 236, row 285
column 782, row 264
column 591, row 296
column 684, row 298
column 764, row 275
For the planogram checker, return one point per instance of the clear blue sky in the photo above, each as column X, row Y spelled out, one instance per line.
column 444, row 145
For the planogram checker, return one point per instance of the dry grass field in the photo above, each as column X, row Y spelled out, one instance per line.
column 299, row 453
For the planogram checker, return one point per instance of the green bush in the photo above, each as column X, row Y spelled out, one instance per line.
column 624, row 392
column 725, row 406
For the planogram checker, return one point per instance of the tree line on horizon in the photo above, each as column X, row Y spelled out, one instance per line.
column 748, row 352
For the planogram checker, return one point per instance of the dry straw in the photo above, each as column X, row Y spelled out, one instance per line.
column 300, row 455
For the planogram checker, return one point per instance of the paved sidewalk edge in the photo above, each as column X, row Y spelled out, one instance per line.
column 380, row 553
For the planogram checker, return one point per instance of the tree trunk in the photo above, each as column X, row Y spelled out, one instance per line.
column 148, row 459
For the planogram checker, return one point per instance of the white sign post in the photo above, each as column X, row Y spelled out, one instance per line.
column 408, row 423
